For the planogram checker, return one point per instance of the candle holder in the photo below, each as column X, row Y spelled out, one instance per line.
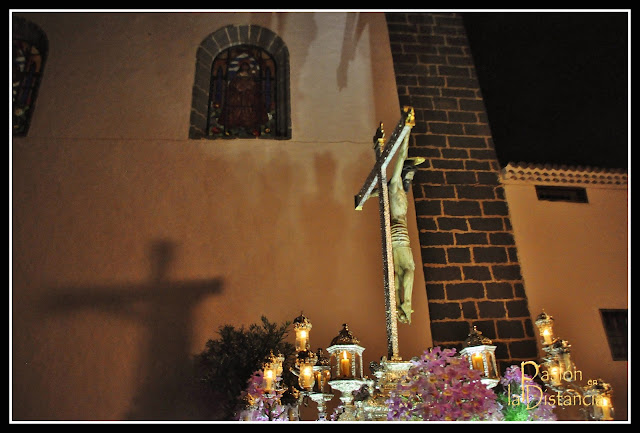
column 272, row 372
column 305, row 361
column 561, row 375
column 387, row 376
column 321, row 372
column 480, row 352
column 600, row 394
column 346, row 371
column 291, row 399
column 302, row 327
column 346, row 356
column 321, row 401
column 544, row 322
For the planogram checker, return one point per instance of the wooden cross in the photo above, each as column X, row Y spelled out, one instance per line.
column 378, row 176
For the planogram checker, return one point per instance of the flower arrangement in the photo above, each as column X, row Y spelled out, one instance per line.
column 262, row 405
column 521, row 399
column 440, row 386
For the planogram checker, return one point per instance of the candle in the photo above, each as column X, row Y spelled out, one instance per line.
column 606, row 408
column 345, row 368
column 307, row 377
column 318, row 377
column 301, row 342
column 268, row 380
column 546, row 334
column 476, row 362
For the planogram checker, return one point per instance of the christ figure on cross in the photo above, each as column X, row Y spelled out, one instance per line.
column 397, row 259
column 403, row 264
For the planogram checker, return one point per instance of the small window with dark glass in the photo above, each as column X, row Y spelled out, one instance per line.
column 615, row 324
column 562, row 193
column 242, row 96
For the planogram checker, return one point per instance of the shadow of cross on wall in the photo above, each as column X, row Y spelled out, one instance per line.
column 164, row 309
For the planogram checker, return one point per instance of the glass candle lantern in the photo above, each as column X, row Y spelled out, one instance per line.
column 346, row 356
column 279, row 360
column 272, row 370
column 321, row 372
column 304, row 362
column 302, row 328
column 480, row 353
column 563, row 350
column 268, row 380
column 559, row 367
column 605, row 408
column 601, row 402
column 544, row 322
column 307, row 378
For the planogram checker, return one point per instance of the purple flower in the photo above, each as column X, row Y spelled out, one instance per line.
column 440, row 386
column 537, row 400
column 513, row 376
column 262, row 406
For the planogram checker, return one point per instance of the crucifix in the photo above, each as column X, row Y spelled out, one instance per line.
column 378, row 177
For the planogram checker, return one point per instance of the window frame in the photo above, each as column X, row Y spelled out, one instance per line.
column 217, row 42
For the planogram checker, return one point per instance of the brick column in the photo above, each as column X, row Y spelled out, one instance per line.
column 470, row 260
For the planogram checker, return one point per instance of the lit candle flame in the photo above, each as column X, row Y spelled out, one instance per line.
column 345, row 368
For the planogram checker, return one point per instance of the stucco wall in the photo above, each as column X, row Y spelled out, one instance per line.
column 574, row 259
column 131, row 244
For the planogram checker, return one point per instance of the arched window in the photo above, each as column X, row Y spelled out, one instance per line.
column 241, row 87
column 29, row 52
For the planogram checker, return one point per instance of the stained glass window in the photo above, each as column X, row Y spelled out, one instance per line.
column 29, row 51
column 241, row 85
column 242, row 96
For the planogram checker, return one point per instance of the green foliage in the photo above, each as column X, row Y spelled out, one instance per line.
column 227, row 363
column 513, row 412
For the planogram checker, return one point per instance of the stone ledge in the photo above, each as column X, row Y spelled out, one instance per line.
column 562, row 175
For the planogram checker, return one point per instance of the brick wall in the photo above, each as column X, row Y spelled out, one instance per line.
column 470, row 260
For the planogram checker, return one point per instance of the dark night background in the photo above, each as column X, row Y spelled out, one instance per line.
column 555, row 85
